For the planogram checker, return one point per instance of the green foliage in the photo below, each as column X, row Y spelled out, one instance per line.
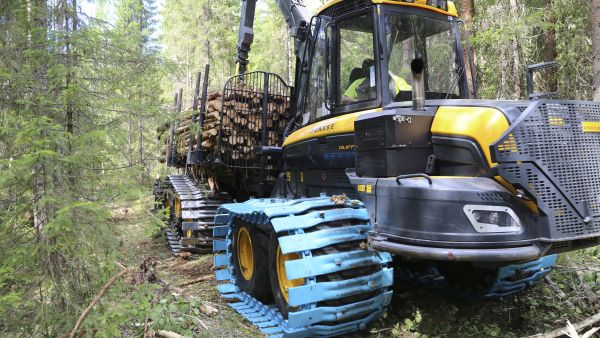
column 272, row 49
column 126, row 307
column 195, row 33
column 122, row 311
column 574, row 44
column 508, row 36
column 76, row 98
column 415, row 311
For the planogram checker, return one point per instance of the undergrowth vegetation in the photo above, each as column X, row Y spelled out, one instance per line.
column 571, row 293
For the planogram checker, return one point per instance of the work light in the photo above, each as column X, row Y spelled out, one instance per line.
column 491, row 218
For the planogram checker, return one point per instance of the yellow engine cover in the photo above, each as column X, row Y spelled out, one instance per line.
column 483, row 124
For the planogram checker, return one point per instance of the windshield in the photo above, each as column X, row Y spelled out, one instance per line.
column 411, row 36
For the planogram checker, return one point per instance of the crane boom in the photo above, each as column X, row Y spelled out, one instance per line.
column 295, row 14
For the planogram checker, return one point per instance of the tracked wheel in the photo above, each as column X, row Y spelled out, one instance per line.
column 467, row 281
column 249, row 254
column 189, row 213
column 280, row 283
column 323, row 279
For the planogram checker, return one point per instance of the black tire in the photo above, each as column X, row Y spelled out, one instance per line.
column 280, row 301
column 258, row 284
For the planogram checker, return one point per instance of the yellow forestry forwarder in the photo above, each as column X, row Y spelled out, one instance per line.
column 384, row 168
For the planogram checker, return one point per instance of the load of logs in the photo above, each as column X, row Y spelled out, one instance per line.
column 238, row 115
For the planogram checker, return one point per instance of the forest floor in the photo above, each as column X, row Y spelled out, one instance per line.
column 572, row 293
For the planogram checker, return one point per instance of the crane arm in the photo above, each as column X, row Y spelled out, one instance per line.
column 295, row 14
column 297, row 18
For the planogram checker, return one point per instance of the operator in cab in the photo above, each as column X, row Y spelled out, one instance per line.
column 362, row 85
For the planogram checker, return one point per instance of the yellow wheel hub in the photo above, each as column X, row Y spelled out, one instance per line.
column 244, row 253
column 284, row 282
column 177, row 207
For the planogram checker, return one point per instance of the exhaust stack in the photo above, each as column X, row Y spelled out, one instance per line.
column 418, row 84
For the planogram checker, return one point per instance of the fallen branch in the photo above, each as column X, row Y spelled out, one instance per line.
column 169, row 286
column 579, row 268
column 197, row 280
column 379, row 331
column 591, row 295
column 578, row 326
column 198, row 319
column 555, row 288
column 169, row 334
column 96, row 299
column 208, row 310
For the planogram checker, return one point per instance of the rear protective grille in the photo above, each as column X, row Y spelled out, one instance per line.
column 553, row 152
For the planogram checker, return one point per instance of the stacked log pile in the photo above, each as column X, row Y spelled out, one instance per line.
column 238, row 115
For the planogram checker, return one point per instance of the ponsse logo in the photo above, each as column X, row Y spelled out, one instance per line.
column 325, row 127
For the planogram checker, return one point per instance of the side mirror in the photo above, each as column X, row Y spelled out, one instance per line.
column 301, row 32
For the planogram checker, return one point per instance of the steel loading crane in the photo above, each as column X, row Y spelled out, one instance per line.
column 385, row 152
column 295, row 15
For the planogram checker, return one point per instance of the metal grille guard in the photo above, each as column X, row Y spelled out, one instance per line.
column 552, row 153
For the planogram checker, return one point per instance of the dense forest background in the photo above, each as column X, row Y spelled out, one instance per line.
column 81, row 95
column 505, row 36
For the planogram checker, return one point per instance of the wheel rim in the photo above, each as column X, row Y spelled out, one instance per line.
column 244, row 253
column 177, row 207
column 284, row 282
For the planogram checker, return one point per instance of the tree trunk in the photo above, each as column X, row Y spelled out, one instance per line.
column 207, row 18
column 517, row 66
column 129, row 141
column 141, row 147
column 596, row 47
column 467, row 12
column 40, row 213
column 550, row 47
column 38, row 14
column 70, row 18
column 189, row 80
column 289, row 55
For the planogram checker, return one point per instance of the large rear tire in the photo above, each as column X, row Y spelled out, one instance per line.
column 335, row 285
column 250, row 250
column 278, row 276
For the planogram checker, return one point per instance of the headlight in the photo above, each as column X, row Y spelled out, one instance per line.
column 492, row 218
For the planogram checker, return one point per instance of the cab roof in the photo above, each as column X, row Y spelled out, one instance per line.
column 417, row 3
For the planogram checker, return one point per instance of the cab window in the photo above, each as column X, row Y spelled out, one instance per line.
column 356, row 80
column 314, row 107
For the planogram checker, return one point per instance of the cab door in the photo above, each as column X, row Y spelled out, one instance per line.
column 318, row 152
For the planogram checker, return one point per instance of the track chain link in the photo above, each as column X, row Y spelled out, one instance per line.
column 324, row 306
column 198, row 207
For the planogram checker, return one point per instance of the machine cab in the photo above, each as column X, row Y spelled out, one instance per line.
column 357, row 60
column 360, row 52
